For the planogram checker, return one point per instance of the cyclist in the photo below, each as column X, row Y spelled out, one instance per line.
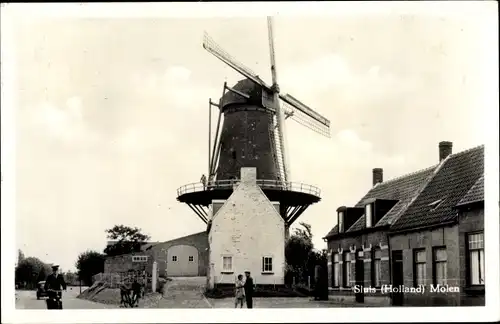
column 125, row 295
column 54, row 284
column 136, row 290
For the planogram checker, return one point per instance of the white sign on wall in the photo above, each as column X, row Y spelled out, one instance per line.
column 139, row 258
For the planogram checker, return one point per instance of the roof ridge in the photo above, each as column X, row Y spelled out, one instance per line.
column 468, row 150
column 428, row 168
column 407, row 175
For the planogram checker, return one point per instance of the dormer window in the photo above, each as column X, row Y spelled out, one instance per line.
column 369, row 215
column 341, row 222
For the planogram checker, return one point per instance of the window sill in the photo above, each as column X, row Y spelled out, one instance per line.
column 267, row 272
column 227, row 272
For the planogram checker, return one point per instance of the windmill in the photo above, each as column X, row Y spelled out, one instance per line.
column 252, row 134
column 280, row 106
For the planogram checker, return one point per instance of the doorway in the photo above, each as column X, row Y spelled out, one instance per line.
column 397, row 277
column 360, row 276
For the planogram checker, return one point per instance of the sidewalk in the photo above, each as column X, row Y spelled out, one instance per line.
column 288, row 302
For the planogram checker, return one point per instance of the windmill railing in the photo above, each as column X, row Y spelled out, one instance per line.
column 264, row 184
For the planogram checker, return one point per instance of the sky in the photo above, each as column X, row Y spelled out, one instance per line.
column 112, row 118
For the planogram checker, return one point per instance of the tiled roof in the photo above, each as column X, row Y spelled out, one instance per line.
column 434, row 205
column 404, row 189
column 475, row 194
column 333, row 231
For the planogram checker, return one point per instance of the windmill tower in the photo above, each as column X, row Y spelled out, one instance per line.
column 250, row 132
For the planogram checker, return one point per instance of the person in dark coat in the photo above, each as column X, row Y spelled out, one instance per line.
column 317, row 282
column 249, row 288
column 54, row 284
column 55, row 280
column 136, row 291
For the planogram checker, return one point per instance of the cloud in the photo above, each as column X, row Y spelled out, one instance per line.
column 333, row 74
column 64, row 124
column 358, row 153
column 175, row 88
column 177, row 73
column 350, row 139
column 316, row 75
column 137, row 139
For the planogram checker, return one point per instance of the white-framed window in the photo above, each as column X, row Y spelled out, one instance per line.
column 336, row 270
column 174, row 258
column 227, row 263
column 419, row 258
column 439, row 265
column 341, row 222
column 191, row 258
column 376, row 267
column 139, row 258
column 476, row 258
column 369, row 215
column 347, row 269
column 267, row 264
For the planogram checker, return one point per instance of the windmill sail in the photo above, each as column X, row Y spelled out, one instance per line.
column 300, row 116
column 281, row 151
column 305, row 109
column 211, row 46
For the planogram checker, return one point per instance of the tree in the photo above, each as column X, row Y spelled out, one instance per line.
column 301, row 258
column 89, row 263
column 20, row 256
column 129, row 239
column 71, row 278
column 31, row 270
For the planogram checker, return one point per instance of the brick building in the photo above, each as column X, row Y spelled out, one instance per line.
column 418, row 230
column 185, row 256
column 471, row 245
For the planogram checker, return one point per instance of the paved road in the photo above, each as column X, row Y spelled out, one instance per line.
column 184, row 292
column 26, row 299
column 187, row 292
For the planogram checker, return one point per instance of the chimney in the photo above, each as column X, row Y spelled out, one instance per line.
column 249, row 175
column 378, row 175
column 445, row 149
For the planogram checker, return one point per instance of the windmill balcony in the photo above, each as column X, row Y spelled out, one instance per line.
column 263, row 184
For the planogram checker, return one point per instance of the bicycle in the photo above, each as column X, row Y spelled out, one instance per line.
column 54, row 300
column 126, row 300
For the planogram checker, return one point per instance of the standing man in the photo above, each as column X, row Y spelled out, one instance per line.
column 249, row 287
column 204, row 181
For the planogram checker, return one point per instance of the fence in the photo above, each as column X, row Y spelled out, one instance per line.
column 116, row 279
column 264, row 184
